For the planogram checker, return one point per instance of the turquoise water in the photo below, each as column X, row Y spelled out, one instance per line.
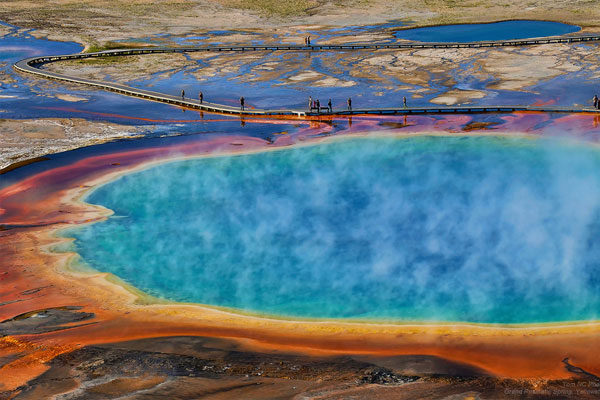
column 479, row 229
column 504, row 30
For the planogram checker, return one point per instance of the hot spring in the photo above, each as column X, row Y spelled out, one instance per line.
column 475, row 229
column 502, row 30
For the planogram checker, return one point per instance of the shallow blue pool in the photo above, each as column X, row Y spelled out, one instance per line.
column 504, row 30
column 484, row 229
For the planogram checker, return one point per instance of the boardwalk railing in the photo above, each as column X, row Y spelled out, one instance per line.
column 32, row 66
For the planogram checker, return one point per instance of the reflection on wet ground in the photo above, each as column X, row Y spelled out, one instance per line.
column 210, row 126
column 556, row 74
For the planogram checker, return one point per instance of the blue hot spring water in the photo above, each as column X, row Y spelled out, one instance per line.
column 504, row 30
column 479, row 229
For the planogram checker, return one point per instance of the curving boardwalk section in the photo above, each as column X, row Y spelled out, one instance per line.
column 32, row 66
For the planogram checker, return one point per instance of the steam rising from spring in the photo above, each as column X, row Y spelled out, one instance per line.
column 480, row 229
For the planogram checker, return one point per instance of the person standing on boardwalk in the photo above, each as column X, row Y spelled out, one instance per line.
column 318, row 106
column 182, row 93
column 595, row 100
column 242, row 102
column 308, row 40
column 404, row 101
column 201, row 97
column 349, row 104
column 329, row 106
column 310, row 103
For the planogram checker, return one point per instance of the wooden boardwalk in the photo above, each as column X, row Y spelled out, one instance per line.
column 32, row 66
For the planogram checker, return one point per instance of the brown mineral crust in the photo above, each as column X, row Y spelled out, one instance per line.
column 213, row 368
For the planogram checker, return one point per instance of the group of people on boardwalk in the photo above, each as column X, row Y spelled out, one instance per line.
column 201, row 99
column 307, row 40
column 596, row 102
column 200, row 96
column 315, row 105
